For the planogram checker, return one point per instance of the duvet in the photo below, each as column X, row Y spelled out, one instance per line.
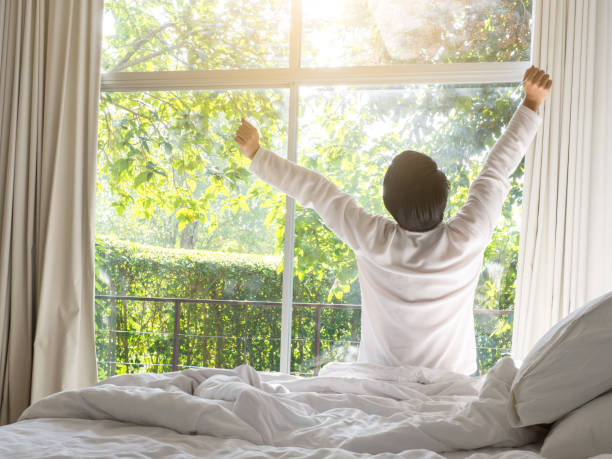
column 350, row 408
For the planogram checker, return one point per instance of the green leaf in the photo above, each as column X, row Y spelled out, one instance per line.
column 142, row 177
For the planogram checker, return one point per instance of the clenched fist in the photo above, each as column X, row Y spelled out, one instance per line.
column 536, row 83
column 247, row 138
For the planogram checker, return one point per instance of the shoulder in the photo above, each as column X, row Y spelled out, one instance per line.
column 465, row 232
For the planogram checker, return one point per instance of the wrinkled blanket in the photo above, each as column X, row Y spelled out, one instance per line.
column 360, row 408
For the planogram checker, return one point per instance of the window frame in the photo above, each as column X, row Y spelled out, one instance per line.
column 294, row 77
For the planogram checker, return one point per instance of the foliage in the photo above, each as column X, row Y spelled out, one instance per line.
column 164, row 156
column 140, row 333
column 161, row 35
column 383, row 32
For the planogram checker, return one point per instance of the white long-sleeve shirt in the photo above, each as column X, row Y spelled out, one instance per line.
column 417, row 289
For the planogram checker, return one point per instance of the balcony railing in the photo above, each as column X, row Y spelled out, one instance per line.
column 178, row 302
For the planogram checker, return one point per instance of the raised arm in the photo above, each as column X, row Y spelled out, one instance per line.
column 489, row 190
column 340, row 212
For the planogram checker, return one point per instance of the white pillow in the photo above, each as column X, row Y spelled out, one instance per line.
column 569, row 366
column 583, row 433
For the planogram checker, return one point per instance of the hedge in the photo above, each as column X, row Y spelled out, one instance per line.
column 137, row 336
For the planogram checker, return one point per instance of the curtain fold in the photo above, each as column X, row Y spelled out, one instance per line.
column 565, row 258
column 49, row 96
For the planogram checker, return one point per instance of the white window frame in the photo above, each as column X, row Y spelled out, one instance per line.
column 293, row 78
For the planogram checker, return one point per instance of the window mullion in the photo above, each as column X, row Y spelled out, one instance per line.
column 287, row 295
column 287, row 298
column 472, row 73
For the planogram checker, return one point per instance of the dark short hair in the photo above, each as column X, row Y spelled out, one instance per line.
column 415, row 191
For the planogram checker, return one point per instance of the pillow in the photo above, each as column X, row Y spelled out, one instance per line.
column 583, row 433
column 569, row 366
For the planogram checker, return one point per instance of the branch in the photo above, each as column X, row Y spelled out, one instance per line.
column 139, row 44
column 142, row 59
column 139, row 115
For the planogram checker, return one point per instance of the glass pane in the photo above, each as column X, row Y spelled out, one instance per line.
column 227, row 335
column 178, row 215
column 323, row 333
column 493, row 337
column 350, row 135
column 164, row 35
column 377, row 32
column 124, row 342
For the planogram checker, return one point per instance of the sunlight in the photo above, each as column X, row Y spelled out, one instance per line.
column 160, row 14
column 108, row 24
column 323, row 18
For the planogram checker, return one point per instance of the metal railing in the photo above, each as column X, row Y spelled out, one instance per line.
column 177, row 302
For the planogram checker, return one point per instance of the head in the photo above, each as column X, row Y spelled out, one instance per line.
column 415, row 191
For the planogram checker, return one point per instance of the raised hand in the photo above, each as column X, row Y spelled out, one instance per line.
column 536, row 83
column 247, row 138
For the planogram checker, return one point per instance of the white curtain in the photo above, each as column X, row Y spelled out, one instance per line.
column 565, row 255
column 49, row 95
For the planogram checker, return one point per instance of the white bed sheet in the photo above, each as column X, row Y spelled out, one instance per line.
column 69, row 438
column 350, row 410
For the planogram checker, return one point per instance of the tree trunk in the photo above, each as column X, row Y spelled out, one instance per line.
column 189, row 235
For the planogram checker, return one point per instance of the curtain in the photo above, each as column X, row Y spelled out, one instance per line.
column 49, row 95
column 565, row 257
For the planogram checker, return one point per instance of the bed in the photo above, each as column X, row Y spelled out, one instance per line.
column 348, row 410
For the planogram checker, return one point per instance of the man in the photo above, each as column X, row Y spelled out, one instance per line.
column 418, row 274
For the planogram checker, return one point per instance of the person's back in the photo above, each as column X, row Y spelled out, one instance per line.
column 418, row 274
column 417, row 304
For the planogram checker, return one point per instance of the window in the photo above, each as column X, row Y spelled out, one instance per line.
column 197, row 262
